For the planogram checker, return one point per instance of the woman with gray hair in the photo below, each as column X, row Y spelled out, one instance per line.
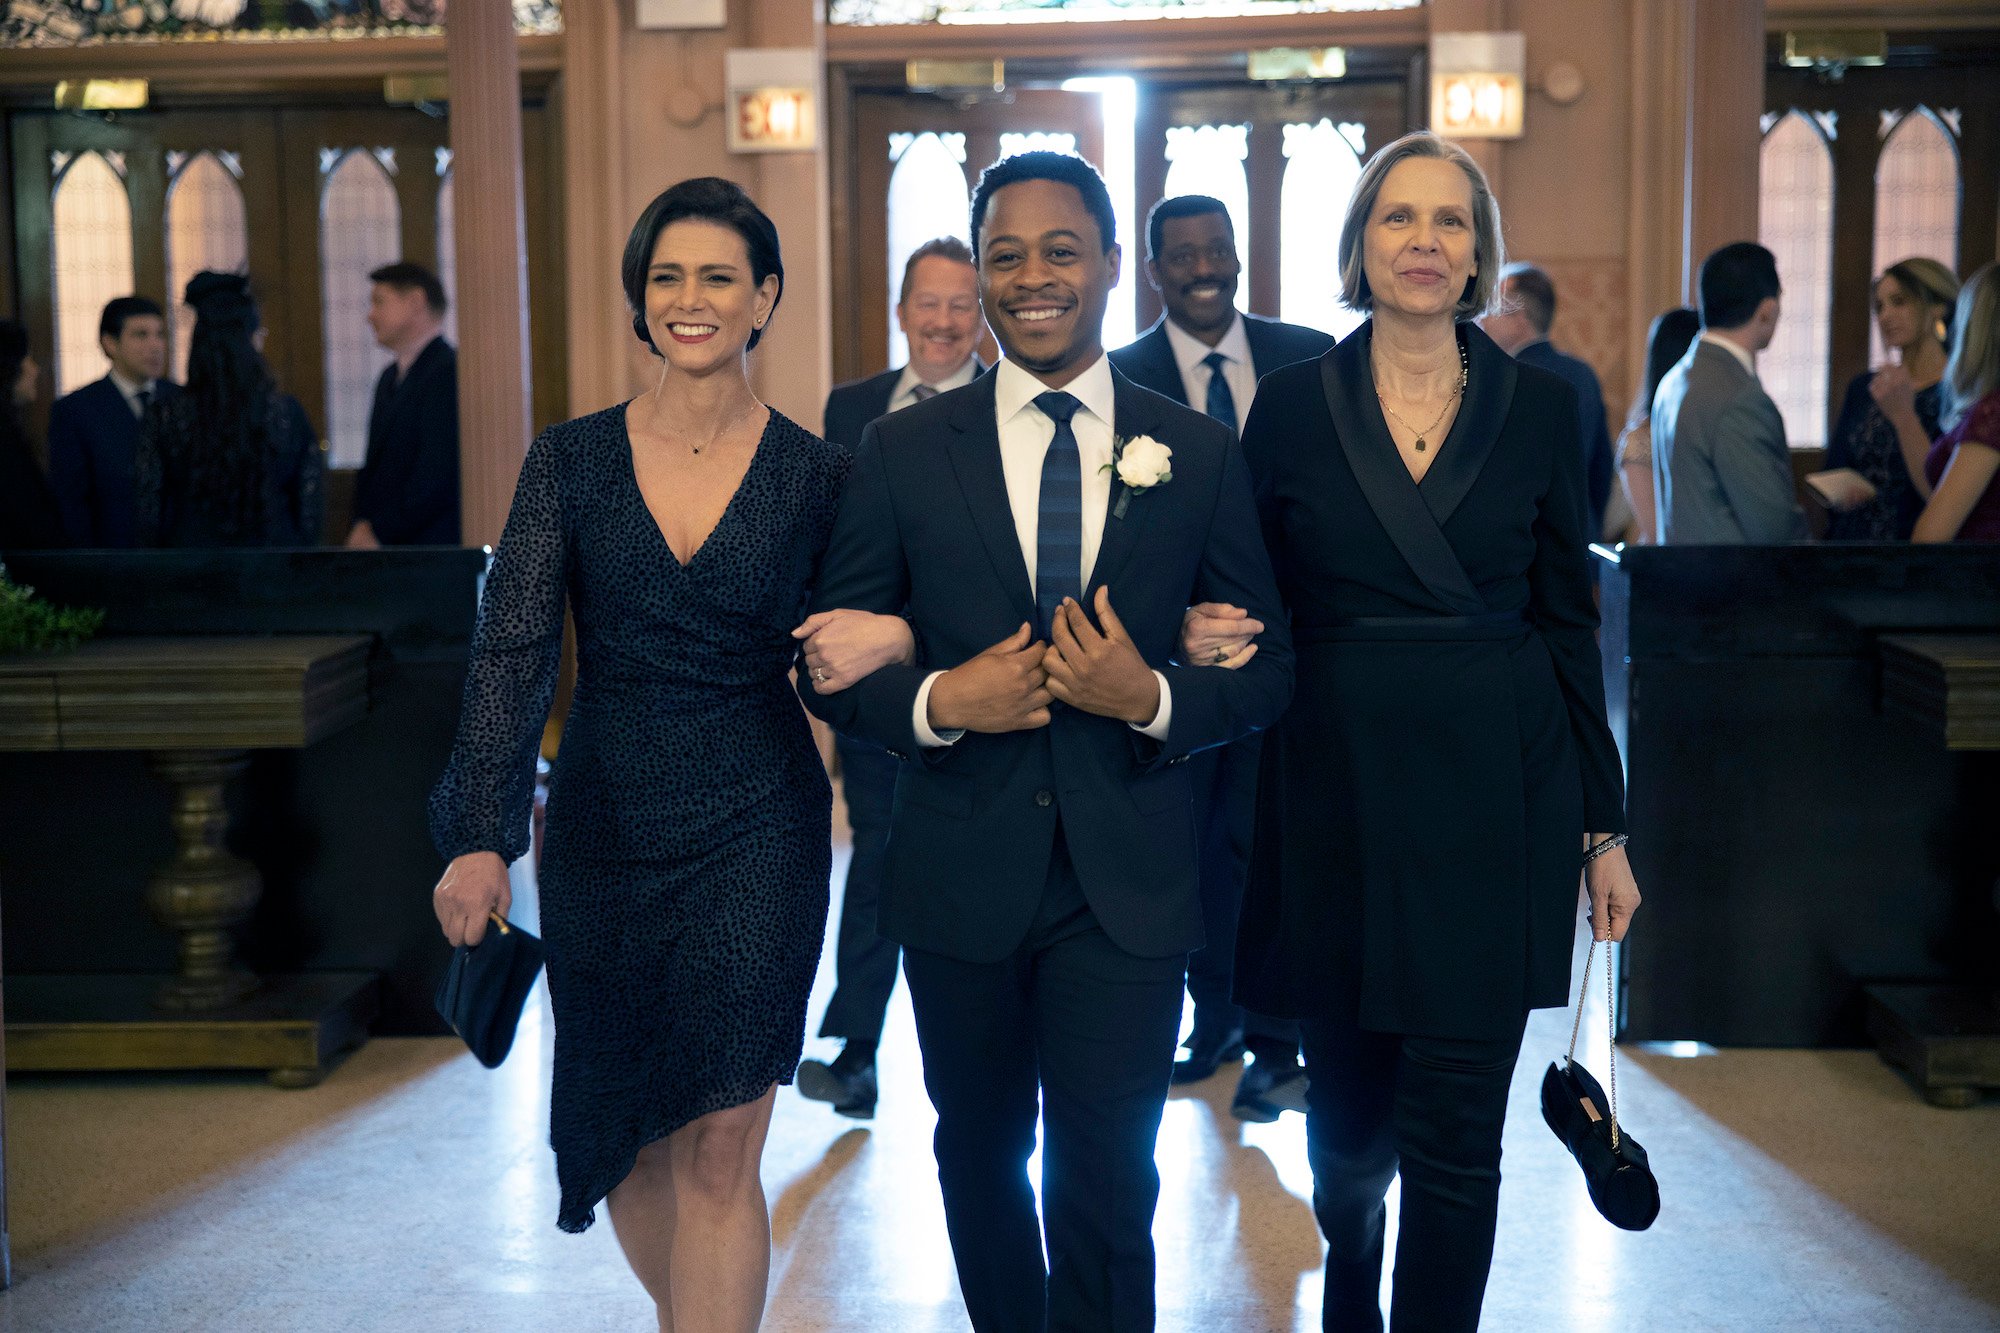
column 1446, row 767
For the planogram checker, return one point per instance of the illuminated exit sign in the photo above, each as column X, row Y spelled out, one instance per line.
column 773, row 101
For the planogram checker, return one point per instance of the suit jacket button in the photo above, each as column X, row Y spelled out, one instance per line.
column 1045, row 798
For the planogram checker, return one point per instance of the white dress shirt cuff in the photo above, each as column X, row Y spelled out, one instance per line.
column 1157, row 728
column 920, row 718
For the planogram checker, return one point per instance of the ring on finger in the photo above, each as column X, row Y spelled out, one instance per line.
column 1221, row 656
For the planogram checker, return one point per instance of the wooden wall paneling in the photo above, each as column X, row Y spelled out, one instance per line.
column 1149, row 184
column 146, row 190
column 1265, row 170
column 1728, row 76
column 300, row 138
column 542, row 168
column 1856, row 149
column 9, row 259
column 844, row 318
column 34, row 249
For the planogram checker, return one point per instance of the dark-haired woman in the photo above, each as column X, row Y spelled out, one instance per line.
column 231, row 460
column 1890, row 415
column 684, row 876
column 1667, row 341
column 29, row 519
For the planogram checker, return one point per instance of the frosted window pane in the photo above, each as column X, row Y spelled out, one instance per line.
column 1795, row 222
column 92, row 244
column 1320, row 172
column 206, row 229
column 1037, row 141
column 1916, row 201
column 1208, row 159
column 447, row 250
column 360, row 226
column 927, row 199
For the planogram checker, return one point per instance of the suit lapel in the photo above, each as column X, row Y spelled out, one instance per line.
column 1363, row 433
column 1489, row 392
column 1137, row 413
column 974, row 450
column 1161, row 373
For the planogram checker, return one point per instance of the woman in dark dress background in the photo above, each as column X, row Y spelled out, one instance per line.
column 1890, row 415
column 1426, row 804
column 29, row 518
column 231, row 460
column 684, row 874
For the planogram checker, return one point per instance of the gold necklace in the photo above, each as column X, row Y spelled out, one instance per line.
column 1423, row 436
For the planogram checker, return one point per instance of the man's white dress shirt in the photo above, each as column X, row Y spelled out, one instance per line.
column 906, row 387
column 131, row 389
column 1025, row 435
column 1238, row 371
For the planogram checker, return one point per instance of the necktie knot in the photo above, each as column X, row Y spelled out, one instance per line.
column 921, row 391
column 1058, row 407
column 1215, row 361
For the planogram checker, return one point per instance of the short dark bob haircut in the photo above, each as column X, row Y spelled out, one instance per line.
column 706, row 199
column 1063, row 168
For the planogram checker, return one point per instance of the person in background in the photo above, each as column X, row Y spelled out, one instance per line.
column 28, row 518
column 1667, row 341
column 232, row 461
column 1205, row 353
column 1961, row 479
column 1721, row 470
column 94, row 432
column 1521, row 326
column 938, row 311
column 1890, row 415
column 407, row 493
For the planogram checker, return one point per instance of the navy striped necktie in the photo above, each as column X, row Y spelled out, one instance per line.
column 1059, row 527
column 1221, row 402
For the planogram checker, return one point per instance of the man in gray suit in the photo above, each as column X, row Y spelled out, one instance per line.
column 1720, row 466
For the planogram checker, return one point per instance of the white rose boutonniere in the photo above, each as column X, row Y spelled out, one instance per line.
column 1142, row 463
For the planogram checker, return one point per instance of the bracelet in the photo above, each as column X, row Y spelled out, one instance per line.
column 1610, row 844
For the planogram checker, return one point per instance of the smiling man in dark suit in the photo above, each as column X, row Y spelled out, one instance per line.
column 94, row 432
column 938, row 310
column 407, row 493
column 1205, row 353
column 1040, row 870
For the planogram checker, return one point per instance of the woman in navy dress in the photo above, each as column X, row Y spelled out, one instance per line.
column 684, row 875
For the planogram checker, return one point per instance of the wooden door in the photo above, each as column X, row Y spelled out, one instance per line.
column 887, row 126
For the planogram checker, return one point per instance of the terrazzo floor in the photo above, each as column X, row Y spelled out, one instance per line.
column 1806, row 1191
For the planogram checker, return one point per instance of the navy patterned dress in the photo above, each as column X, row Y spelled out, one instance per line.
column 684, row 872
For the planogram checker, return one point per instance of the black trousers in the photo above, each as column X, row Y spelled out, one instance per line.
column 1090, row 1028
column 1224, row 780
column 864, row 967
column 1431, row 1107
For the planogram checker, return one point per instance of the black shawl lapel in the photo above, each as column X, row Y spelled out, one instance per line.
column 975, row 456
column 1136, row 412
column 1363, row 432
column 1489, row 392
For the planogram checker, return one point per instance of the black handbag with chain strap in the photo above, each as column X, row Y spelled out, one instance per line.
column 1615, row 1169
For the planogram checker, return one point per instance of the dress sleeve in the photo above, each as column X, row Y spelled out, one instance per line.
column 1565, row 613
column 483, row 801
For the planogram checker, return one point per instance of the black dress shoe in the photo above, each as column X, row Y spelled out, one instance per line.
column 1206, row 1053
column 852, row 1091
column 1269, row 1088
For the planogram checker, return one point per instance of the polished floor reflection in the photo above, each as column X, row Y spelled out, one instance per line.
column 1804, row 1191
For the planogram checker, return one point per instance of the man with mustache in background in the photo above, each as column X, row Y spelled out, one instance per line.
column 1207, row 354
column 938, row 310
column 1046, row 546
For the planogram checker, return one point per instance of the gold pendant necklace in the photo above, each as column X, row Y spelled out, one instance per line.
column 1423, row 436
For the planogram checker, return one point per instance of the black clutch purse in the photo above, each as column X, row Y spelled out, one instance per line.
column 1615, row 1170
column 486, row 985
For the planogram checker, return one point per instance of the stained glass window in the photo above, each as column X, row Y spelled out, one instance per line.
column 1322, row 164
column 1795, row 222
column 863, row 12
column 1208, row 159
column 206, row 229
column 927, row 199
column 92, row 245
column 360, row 230
column 1916, row 200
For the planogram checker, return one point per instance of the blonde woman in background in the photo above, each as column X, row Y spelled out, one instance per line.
column 1961, row 477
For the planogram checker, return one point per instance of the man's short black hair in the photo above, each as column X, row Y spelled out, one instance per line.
column 405, row 276
column 120, row 309
column 1065, row 168
column 1181, row 206
column 1735, row 280
column 1533, row 291
column 709, row 199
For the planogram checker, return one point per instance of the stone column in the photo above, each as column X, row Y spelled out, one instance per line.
column 483, row 68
